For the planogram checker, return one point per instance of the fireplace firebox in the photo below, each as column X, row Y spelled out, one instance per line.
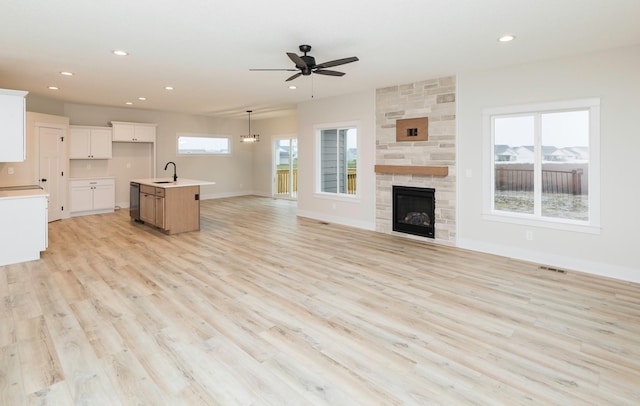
column 414, row 210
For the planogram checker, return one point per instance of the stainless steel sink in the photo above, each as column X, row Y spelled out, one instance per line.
column 163, row 181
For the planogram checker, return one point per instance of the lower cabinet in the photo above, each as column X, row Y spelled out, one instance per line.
column 152, row 207
column 173, row 209
column 24, row 230
column 91, row 196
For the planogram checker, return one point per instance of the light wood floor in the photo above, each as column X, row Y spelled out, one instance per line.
column 263, row 308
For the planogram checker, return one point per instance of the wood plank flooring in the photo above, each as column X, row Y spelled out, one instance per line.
column 263, row 308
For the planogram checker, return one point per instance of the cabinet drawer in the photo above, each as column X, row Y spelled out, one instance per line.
column 150, row 190
column 91, row 182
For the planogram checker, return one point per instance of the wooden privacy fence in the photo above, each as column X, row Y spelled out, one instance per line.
column 569, row 182
column 284, row 184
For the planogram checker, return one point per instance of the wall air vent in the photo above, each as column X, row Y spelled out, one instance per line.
column 548, row 268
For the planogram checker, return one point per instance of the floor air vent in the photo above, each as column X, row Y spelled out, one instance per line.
column 548, row 268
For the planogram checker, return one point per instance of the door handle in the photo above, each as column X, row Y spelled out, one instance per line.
column 43, row 180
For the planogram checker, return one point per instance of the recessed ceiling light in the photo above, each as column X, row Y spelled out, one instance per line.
column 142, row 98
column 128, row 103
column 168, row 88
column 53, row 88
column 120, row 52
column 506, row 38
column 292, row 87
column 65, row 73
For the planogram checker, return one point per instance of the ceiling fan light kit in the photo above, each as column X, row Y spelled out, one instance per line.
column 306, row 64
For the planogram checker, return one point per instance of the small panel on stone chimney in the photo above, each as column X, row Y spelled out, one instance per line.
column 412, row 129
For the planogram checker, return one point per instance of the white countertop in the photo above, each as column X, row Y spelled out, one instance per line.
column 181, row 182
column 22, row 194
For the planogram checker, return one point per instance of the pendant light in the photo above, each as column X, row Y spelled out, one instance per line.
column 250, row 137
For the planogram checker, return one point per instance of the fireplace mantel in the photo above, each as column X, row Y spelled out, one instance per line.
column 413, row 170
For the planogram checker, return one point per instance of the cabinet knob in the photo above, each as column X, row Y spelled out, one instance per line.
column 43, row 180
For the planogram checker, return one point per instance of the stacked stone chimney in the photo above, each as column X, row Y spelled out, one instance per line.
column 436, row 100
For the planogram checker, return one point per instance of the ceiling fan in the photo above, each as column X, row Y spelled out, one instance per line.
column 306, row 64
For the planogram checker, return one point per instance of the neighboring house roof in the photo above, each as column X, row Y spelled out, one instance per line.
column 525, row 153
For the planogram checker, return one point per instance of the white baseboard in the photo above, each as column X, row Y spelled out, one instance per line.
column 223, row 195
column 557, row 261
column 337, row 220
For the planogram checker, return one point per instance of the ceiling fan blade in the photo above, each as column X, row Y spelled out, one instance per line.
column 328, row 72
column 294, row 76
column 300, row 63
column 257, row 70
column 337, row 62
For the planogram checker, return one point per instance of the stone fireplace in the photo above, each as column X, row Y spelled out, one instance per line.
column 423, row 164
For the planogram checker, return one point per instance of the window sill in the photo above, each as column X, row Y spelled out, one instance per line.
column 566, row 225
column 336, row 196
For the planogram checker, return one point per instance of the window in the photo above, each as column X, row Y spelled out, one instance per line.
column 189, row 144
column 338, row 158
column 543, row 164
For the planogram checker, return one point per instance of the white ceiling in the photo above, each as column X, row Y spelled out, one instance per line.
column 205, row 48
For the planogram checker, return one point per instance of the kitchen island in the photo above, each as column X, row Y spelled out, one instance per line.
column 172, row 206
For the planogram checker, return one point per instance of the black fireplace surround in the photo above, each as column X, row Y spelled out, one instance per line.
column 414, row 210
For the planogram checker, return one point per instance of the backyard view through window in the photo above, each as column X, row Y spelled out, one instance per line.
column 541, row 164
column 286, row 159
column 338, row 160
column 203, row 145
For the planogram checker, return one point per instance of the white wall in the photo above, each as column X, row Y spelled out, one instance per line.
column 263, row 151
column 358, row 107
column 233, row 174
column 26, row 173
column 611, row 76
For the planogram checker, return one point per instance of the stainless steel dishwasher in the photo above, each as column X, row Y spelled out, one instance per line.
column 134, row 201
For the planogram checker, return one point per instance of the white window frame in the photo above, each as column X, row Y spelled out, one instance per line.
column 318, row 160
column 191, row 135
column 591, row 226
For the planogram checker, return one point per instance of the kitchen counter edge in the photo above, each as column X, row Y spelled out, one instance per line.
column 179, row 183
column 22, row 194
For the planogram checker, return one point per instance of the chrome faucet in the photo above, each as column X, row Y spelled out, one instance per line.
column 175, row 177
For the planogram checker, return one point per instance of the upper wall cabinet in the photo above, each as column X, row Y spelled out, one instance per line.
column 133, row 132
column 12, row 126
column 89, row 142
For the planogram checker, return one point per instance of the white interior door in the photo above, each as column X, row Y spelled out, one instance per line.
column 51, row 167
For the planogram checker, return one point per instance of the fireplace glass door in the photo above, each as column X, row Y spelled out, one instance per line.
column 414, row 210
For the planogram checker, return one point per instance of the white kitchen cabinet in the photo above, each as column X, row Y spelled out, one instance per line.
column 90, row 142
column 91, row 196
column 133, row 132
column 12, row 126
column 23, row 225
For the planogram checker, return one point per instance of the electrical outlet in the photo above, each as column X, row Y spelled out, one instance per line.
column 10, row 170
column 529, row 235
